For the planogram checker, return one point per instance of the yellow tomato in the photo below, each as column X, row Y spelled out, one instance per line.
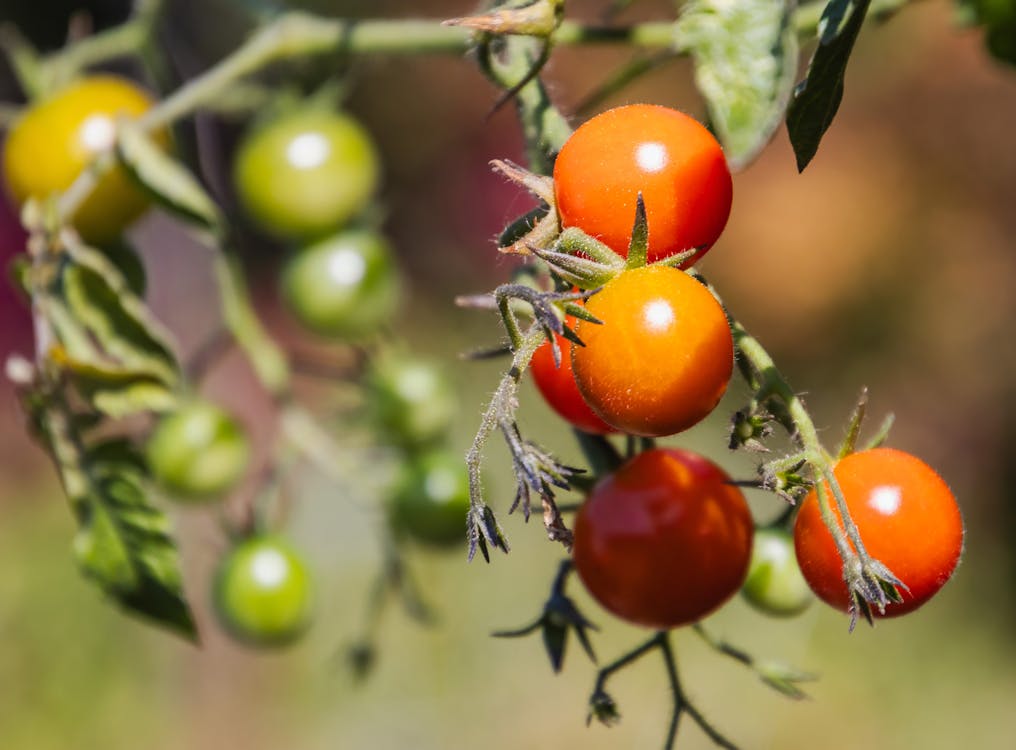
column 57, row 138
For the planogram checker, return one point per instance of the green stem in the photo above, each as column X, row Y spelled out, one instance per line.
column 267, row 359
column 24, row 61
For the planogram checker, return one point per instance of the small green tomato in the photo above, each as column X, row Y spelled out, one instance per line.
column 198, row 452
column 431, row 499
column 263, row 593
column 306, row 173
column 345, row 286
column 775, row 585
column 411, row 399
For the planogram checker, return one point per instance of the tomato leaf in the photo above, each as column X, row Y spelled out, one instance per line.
column 817, row 97
column 166, row 179
column 123, row 543
column 109, row 327
column 745, row 57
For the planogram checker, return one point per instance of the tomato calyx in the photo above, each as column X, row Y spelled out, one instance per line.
column 559, row 617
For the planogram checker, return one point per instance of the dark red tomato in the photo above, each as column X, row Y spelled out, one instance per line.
column 558, row 387
column 669, row 157
column 907, row 518
column 665, row 540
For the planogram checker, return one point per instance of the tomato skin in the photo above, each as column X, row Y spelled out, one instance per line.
column 345, row 285
column 662, row 358
column 431, row 500
column 263, row 593
column 558, row 387
column 669, row 157
column 775, row 585
column 665, row 540
column 198, row 451
column 57, row 138
column 306, row 173
column 907, row 518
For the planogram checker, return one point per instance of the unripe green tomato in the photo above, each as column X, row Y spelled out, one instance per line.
column 775, row 585
column 306, row 173
column 411, row 399
column 431, row 499
column 263, row 593
column 345, row 285
column 198, row 452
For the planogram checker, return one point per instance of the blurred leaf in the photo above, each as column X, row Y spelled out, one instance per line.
column 123, row 543
column 169, row 182
column 124, row 331
column 818, row 96
column 116, row 392
column 127, row 261
column 745, row 64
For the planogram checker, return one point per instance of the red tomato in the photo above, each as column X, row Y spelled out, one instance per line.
column 662, row 357
column 671, row 158
column 907, row 518
column 558, row 387
column 665, row 540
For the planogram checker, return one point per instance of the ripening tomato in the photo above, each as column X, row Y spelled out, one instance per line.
column 198, row 451
column 57, row 138
column 306, row 173
column 669, row 157
column 907, row 518
column 263, row 593
column 661, row 359
column 345, row 285
column 775, row 585
column 430, row 501
column 559, row 389
column 664, row 540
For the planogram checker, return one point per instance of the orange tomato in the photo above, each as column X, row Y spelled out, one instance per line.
column 661, row 359
column 669, row 157
column 907, row 518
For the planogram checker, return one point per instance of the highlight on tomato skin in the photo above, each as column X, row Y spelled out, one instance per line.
column 662, row 357
column 670, row 158
column 558, row 387
column 907, row 517
column 665, row 540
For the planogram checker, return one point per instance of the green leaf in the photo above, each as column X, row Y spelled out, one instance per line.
column 115, row 391
column 745, row 64
column 169, row 182
column 123, row 543
column 124, row 334
column 818, row 96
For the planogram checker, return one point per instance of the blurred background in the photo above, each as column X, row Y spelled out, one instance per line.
column 891, row 263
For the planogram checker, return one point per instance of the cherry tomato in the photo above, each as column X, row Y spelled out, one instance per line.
column 558, row 387
column 662, row 357
column 431, row 499
column 345, row 286
column 198, row 452
column 907, row 518
column 411, row 399
column 306, row 173
column 666, row 155
column 665, row 540
column 775, row 585
column 53, row 142
column 263, row 593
